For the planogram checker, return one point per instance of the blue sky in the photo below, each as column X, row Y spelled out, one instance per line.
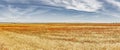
column 98, row 11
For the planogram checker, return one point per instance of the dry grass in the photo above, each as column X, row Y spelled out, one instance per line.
column 59, row 36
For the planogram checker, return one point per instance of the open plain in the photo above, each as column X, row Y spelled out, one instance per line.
column 60, row 36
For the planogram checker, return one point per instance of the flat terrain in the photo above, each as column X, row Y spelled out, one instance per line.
column 60, row 36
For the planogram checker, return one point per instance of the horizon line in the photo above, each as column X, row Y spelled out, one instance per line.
column 58, row 22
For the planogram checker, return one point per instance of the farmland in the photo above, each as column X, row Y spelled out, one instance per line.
column 60, row 36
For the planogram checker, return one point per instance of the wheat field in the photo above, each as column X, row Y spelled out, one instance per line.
column 60, row 36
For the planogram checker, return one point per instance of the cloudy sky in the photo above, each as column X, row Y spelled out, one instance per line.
column 60, row 11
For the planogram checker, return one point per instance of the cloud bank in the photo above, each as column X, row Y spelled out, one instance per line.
column 114, row 2
column 79, row 5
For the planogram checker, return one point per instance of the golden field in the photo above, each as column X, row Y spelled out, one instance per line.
column 60, row 36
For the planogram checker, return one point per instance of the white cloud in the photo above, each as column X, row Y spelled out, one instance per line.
column 17, row 1
column 80, row 5
column 114, row 2
column 11, row 12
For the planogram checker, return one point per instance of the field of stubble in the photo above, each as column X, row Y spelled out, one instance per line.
column 60, row 36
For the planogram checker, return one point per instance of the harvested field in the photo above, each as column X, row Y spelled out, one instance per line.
column 60, row 36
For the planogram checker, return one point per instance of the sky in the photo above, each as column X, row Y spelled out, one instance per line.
column 75, row 11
